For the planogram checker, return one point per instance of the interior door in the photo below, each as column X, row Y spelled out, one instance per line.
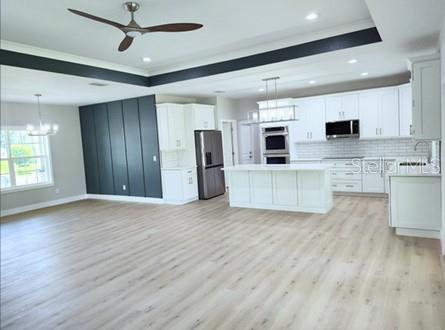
column 228, row 152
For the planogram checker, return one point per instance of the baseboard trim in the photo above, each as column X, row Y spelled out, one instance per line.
column 118, row 198
column 418, row 233
column 32, row 207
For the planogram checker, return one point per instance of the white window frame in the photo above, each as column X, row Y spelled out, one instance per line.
column 10, row 160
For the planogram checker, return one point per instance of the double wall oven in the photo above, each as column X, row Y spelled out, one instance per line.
column 275, row 145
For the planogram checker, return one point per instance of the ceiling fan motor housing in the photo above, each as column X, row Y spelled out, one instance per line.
column 131, row 6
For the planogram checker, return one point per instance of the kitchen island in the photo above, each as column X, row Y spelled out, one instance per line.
column 291, row 187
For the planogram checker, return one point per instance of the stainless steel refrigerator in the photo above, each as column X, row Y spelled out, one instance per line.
column 209, row 157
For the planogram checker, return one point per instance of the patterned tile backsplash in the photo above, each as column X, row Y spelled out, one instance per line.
column 367, row 148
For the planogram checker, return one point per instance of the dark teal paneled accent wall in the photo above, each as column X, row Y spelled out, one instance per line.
column 121, row 148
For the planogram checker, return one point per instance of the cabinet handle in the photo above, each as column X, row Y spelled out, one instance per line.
column 411, row 129
column 380, row 131
column 190, row 180
column 376, row 131
column 311, row 135
column 178, row 143
column 349, row 173
column 349, row 186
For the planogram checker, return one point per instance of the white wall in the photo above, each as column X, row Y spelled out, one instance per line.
column 442, row 56
column 66, row 153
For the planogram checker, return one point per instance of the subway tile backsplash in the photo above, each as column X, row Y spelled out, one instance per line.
column 367, row 148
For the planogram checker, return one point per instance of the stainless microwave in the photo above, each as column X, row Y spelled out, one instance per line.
column 342, row 129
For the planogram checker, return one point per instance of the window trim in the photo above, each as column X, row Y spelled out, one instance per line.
column 36, row 186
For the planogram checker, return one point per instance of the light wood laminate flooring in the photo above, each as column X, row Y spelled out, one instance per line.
column 112, row 265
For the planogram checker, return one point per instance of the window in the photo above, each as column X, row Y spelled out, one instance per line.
column 24, row 161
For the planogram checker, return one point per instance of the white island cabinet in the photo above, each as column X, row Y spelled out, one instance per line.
column 292, row 187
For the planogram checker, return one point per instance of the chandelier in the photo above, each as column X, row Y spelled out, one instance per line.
column 43, row 129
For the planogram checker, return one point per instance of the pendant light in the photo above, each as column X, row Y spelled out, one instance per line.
column 42, row 129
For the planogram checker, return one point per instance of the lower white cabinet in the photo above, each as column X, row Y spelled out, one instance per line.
column 373, row 177
column 179, row 186
column 415, row 205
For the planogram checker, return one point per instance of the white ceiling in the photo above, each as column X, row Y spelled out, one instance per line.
column 20, row 85
column 408, row 28
column 229, row 25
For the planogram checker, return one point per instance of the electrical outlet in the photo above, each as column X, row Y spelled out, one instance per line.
column 124, row 187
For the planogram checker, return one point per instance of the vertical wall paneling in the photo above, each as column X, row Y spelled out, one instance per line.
column 121, row 148
column 133, row 147
column 150, row 146
column 118, row 155
column 89, row 149
column 103, row 149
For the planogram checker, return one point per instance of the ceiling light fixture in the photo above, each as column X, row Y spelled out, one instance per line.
column 352, row 61
column 312, row 82
column 364, row 74
column 261, row 90
column 43, row 129
column 311, row 16
column 146, row 59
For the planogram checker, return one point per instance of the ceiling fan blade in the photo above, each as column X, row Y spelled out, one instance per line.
column 96, row 18
column 125, row 43
column 174, row 27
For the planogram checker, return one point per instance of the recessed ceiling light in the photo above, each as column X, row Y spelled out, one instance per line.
column 261, row 90
column 352, row 61
column 364, row 74
column 146, row 59
column 311, row 16
column 312, row 82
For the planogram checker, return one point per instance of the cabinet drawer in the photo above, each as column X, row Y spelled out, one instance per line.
column 353, row 186
column 349, row 174
column 346, row 163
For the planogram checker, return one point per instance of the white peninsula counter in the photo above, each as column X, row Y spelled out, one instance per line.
column 292, row 187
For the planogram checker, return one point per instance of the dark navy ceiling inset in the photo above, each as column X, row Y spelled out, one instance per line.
column 343, row 41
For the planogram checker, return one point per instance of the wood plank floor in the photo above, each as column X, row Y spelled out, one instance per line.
column 110, row 265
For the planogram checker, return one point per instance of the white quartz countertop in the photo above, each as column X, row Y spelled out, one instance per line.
column 416, row 174
column 286, row 167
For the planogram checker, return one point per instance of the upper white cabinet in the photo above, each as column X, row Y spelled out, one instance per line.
column 311, row 124
column 379, row 113
column 171, row 127
column 342, row 107
column 405, row 110
column 425, row 78
column 203, row 116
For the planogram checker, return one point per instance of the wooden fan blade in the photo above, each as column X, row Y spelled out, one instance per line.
column 174, row 27
column 125, row 43
column 96, row 18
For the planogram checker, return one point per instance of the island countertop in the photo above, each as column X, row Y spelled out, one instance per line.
column 284, row 167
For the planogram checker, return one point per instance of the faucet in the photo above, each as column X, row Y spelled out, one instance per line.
column 429, row 150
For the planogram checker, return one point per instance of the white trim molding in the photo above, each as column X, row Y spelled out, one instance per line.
column 119, row 198
column 32, row 207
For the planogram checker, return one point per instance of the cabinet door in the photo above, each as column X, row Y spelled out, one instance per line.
column 369, row 104
column 405, row 110
column 162, row 115
column 190, row 184
column 301, row 129
column 246, row 144
column 333, row 108
column 176, row 126
column 373, row 178
column 427, row 100
column 314, row 110
column 204, row 117
column 349, row 107
column 389, row 113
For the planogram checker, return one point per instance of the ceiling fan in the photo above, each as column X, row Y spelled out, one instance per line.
column 133, row 29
